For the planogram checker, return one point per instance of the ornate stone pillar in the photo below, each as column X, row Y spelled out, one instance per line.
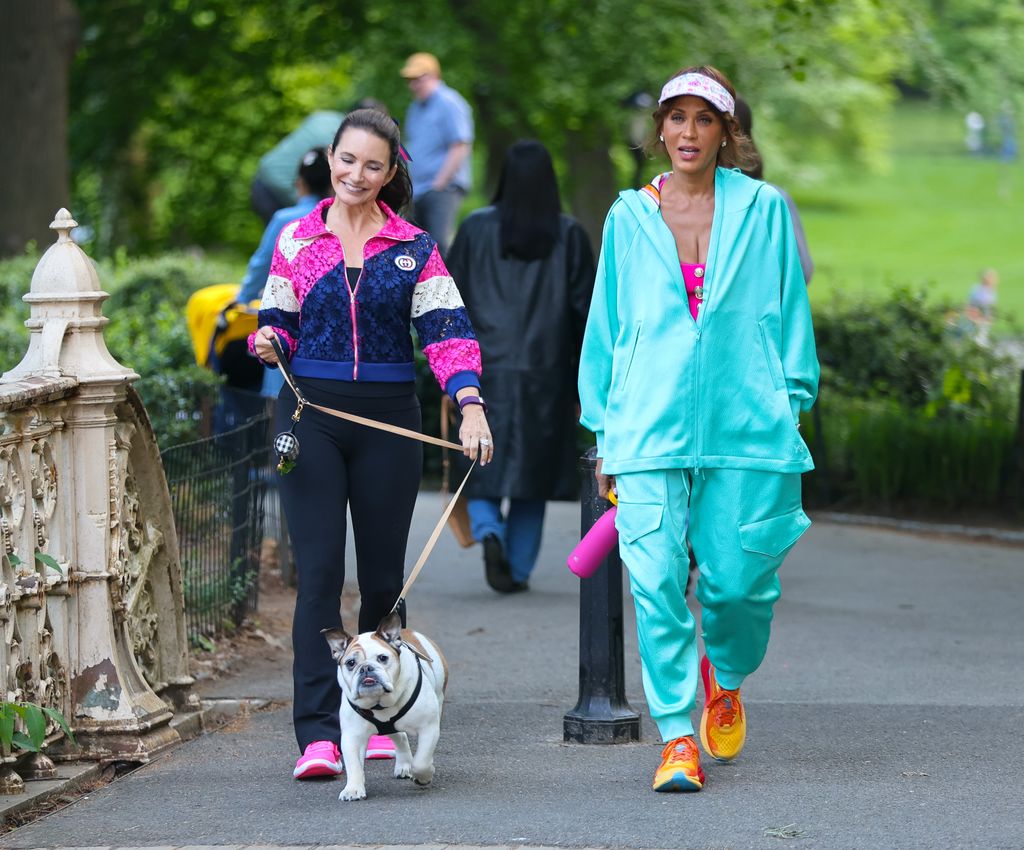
column 125, row 628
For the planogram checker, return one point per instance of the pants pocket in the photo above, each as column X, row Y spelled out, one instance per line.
column 774, row 536
column 635, row 519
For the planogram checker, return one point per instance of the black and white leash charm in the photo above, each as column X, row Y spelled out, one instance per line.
column 286, row 444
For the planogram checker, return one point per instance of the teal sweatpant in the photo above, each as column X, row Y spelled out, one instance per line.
column 741, row 524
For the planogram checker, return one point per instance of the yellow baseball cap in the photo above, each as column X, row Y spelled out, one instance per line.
column 419, row 64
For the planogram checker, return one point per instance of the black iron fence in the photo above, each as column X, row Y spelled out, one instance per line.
column 226, row 512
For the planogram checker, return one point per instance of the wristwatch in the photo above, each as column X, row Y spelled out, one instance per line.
column 472, row 399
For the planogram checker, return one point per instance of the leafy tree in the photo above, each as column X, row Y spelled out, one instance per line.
column 968, row 52
column 175, row 101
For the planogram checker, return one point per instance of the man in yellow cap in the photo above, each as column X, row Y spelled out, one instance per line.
column 438, row 133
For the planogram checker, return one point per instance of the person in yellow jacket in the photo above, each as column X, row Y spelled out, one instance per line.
column 697, row 359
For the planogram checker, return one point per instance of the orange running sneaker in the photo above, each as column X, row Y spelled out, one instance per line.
column 680, row 768
column 723, row 725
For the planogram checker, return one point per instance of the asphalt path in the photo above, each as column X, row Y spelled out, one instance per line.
column 886, row 715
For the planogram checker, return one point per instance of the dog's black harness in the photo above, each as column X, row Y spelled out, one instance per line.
column 387, row 727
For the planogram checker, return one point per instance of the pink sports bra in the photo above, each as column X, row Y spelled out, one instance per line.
column 693, row 276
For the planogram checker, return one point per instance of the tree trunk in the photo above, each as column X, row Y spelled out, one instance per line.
column 35, row 63
column 592, row 174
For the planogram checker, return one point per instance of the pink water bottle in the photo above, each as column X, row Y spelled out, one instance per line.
column 596, row 544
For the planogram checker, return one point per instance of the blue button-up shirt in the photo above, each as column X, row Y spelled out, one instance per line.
column 431, row 127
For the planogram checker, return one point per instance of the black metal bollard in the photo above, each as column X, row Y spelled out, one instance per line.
column 601, row 715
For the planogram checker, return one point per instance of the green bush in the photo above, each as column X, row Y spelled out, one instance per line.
column 904, row 348
column 15, row 278
column 880, row 456
column 148, row 333
column 913, row 414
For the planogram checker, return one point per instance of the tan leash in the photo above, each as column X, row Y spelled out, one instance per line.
column 301, row 402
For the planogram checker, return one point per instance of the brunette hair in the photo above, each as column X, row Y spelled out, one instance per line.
column 746, row 119
column 528, row 202
column 397, row 192
column 739, row 151
column 315, row 171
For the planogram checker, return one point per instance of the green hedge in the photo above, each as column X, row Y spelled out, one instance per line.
column 878, row 456
column 914, row 414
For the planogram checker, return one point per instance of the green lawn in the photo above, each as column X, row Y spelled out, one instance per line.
column 934, row 220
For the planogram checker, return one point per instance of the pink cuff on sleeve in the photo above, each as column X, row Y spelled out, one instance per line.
column 285, row 337
column 453, row 355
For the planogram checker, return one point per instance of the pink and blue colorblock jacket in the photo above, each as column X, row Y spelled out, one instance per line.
column 361, row 333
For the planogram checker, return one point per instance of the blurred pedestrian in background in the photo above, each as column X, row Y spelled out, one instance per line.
column 273, row 187
column 438, row 133
column 975, row 139
column 347, row 281
column 526, row 271
column 981, row 304
column 312, row 185
column 746, row 119
column 697, row 360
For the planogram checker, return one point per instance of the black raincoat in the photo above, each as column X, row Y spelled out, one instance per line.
column 529, row 318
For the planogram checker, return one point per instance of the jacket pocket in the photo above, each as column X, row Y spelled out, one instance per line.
column 632, row 353
column 773, row 536
column 773, row 359
column 635, row 519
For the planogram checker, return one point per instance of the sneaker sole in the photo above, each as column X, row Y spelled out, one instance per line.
column 380, row 754
column 318, row 767
column 680, row 782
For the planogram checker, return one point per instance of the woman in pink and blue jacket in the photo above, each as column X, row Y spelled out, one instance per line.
column 345, row 282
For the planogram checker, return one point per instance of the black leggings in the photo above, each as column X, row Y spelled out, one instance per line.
column 376, row 476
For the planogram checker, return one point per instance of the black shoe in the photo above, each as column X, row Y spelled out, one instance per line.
column 496, row 568
column 518, row 586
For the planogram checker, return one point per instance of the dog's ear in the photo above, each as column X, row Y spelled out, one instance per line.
column 338, row 639
column 390, row 629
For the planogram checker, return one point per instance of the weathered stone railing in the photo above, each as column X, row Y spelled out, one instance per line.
column 102, row 637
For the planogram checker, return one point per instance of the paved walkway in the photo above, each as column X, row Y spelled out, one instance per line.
column 886, row 715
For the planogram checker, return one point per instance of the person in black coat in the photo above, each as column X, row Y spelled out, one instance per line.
column 526, row 273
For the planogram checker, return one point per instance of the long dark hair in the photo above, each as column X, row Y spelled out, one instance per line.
column 397, row 192
column 528, row 202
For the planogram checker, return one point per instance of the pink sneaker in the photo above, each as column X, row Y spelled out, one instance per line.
column 321, row 758
column 380, row 747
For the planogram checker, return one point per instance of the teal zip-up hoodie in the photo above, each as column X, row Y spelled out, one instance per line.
column 662, row 391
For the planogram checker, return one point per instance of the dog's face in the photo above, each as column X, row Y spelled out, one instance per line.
column 368, row 665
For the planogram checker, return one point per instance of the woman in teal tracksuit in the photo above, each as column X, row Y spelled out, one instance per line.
column 697, row 360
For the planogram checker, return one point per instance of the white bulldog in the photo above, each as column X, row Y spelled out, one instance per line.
column 392, row 683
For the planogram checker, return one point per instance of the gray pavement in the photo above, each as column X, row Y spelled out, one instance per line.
column 886, row 715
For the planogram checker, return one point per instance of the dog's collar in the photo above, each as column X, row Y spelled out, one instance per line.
column 387, row 727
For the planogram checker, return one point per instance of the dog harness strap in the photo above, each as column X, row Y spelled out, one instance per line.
column 387, row 727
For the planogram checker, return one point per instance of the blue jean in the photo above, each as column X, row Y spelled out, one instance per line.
column 519, row 532
column 435, row 212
